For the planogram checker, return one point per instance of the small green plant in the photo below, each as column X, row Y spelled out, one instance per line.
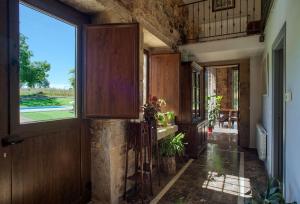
column 172, row 145
column 170, row 116
column 272, row 195
column 162, row 119
column 214, row 107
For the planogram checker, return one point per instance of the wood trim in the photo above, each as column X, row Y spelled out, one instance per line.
column 59, row 10
column 4, row 83
column 5, row 163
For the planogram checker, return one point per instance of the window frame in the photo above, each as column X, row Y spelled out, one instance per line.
column 147, row 54
column 62, row 12
column 198, row 95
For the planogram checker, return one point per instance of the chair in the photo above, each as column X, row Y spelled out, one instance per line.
column 234, row 117
column 223, row 117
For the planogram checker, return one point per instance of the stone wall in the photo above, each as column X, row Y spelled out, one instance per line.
column 223, row 86
column 162, row 18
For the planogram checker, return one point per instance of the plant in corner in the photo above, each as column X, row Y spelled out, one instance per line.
column 170, row 147
column 272, row 195
column 214, row 107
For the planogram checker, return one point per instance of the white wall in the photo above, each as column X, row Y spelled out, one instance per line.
column 255, row 99
column 286, row 11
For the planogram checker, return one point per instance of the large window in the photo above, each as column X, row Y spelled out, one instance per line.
column 47, row 71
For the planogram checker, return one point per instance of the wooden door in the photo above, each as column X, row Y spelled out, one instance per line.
column 164, row 79
column 5, row 154
column 41, row 162
column 112, row 71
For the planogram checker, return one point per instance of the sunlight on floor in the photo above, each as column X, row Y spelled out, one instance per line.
column 230, row 184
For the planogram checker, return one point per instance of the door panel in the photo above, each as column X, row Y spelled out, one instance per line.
column 5, row 156
column 164, row 79
column 46, row 168
column 112, row 71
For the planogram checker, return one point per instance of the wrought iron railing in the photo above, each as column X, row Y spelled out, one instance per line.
column 265, row 11
column 219, row 19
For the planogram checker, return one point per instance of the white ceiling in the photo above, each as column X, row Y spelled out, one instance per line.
column 229, row 49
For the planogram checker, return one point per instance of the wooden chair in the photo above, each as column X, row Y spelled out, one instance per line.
column 234, row 117
column 223, row 117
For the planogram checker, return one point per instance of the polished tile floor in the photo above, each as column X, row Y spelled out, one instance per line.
column 224, row 173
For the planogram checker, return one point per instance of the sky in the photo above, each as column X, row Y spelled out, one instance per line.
column 52, row 40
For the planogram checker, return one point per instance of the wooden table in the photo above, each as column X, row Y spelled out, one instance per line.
column 163, row 132
column 230, row 111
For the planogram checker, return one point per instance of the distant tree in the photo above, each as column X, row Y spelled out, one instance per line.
column 72, row 78
column 32, row 74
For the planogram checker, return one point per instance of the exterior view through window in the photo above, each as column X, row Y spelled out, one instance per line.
column 47, row 69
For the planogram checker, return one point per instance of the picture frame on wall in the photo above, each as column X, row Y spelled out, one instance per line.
column 219, row 5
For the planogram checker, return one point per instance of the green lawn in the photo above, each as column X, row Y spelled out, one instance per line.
column 47, row 115
column 33, row 100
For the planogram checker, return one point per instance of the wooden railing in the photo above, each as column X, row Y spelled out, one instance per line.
column 219, row 19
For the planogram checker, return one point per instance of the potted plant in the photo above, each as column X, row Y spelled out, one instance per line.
column 152, row 108
column 165, row 119
column 273, row 194
column 170, row 117
column 214, row 107
column 170, row 147
column 162, row 119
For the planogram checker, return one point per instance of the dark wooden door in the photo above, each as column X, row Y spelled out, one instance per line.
column 112, row 71
column 164, row 79
column 41, row 162
column 5, row 154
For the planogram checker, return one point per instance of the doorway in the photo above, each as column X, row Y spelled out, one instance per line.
column 222, row 91
column 279, row 105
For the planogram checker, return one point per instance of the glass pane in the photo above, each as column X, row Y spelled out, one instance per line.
column 235, row 88
column 47, row 61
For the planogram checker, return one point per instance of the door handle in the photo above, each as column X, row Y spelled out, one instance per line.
column 11, row 140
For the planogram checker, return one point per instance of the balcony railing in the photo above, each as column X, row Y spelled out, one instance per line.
column 266, row 6
column 221, row 19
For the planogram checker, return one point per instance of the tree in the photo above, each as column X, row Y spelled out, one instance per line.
column 32, row 74
column 72, row 77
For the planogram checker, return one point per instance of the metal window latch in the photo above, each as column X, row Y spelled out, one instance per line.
column 11, row 140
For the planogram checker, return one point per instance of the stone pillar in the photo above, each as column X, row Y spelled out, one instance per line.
column 108, row 160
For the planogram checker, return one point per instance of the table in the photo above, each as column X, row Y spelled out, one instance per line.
column 230, row 111
column 163, row 132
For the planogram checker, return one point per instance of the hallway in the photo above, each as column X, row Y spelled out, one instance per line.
column 224, row 173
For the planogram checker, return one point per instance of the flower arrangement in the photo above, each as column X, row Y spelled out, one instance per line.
column 152, row 108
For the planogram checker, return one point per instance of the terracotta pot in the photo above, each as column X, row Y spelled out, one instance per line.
column 169, row 165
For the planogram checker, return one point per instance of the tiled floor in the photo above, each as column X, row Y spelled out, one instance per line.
column 224, row 173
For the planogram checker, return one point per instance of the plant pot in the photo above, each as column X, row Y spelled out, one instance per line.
column 169, row 165
column 210, row 129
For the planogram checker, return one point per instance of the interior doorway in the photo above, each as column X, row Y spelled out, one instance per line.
column 279, row 105
column 222, row 93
